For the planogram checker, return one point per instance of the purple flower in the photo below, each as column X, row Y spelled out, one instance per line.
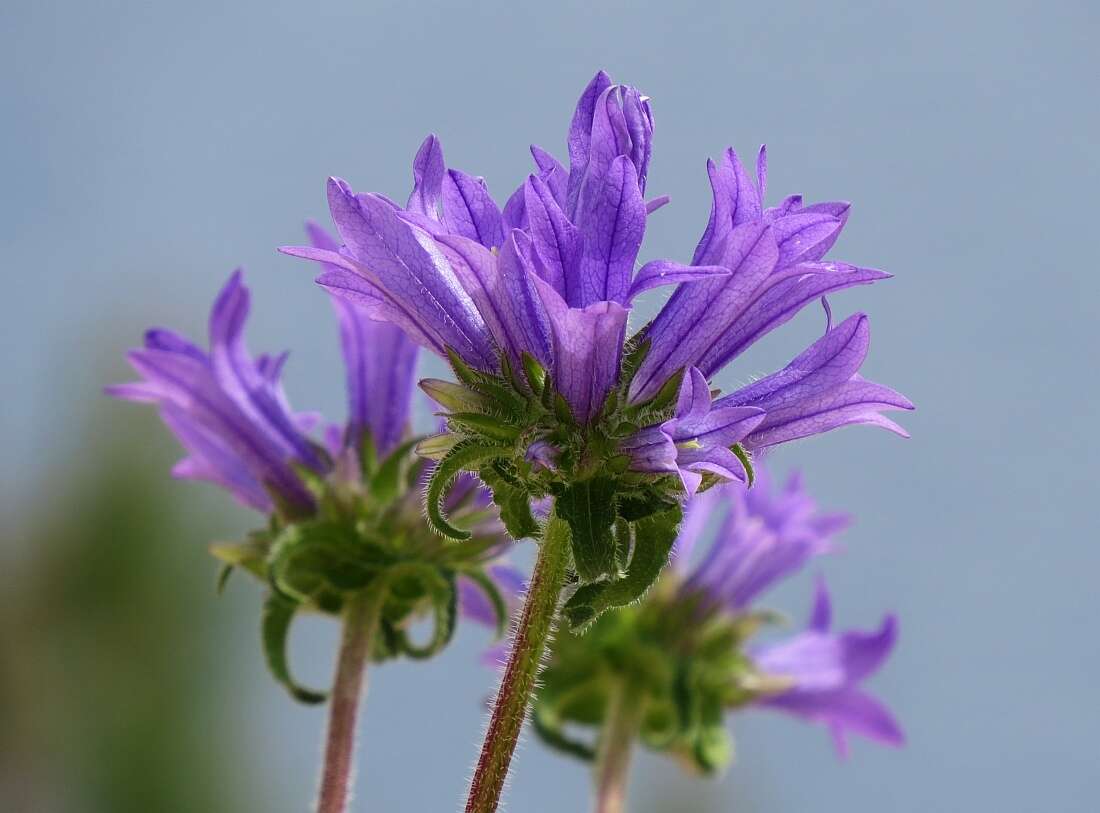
column 696, row 439
column 827, row 670
column 551, row 275
column 473, row 601
column 227, row 408
column 765, row 535
column 820, row 390
column 380, row 367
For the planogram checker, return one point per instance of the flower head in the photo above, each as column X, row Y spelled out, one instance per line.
column 228, row 408
column 345, row 515
column 531, row 302
column 685, row 649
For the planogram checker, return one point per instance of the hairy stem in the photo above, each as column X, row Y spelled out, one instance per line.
column 620, row 727
column 360, row 622
column 516, row 687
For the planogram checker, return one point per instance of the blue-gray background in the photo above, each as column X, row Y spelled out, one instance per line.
column 148, row 148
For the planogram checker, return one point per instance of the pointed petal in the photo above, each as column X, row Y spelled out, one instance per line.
column 697, row 315
column 666, row 272
column 406, row 264
column 557, row 242
column 469, row 209
column 428, row 170
column 780, row 302
column 736, row 201
column 612, row 224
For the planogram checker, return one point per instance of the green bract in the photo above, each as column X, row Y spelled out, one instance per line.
column 367, row 534
column 622, row 523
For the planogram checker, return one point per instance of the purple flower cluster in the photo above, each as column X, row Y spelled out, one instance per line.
column 551, row 275
column 764, row 536
column 229, row 411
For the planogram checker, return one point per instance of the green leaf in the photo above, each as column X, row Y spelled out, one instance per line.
column 513, row 502
column 462, row 457
column 653, row 539
column 624, row 540
column 589, row 508
column 277, row 615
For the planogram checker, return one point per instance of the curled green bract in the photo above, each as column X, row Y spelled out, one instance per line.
column 368, row 535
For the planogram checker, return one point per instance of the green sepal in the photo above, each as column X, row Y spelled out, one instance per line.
column 713, row 751
column 653, row 539
column 454, row 396
column 277, row 614
column 589, row 508
column 502, row 397
column 368, row 455
column 387, row 482
column 434, row 447
column 487, row 425
column 250, row 555
column 636, row 352
column 462, row 457
column 746, row 461
column 666, row 396
column 534, row 372
column 513, row 502
column 562, row 411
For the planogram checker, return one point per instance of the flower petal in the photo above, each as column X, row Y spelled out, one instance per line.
column 469, row 209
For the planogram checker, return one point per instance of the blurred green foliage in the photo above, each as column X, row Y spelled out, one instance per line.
column 116, row 686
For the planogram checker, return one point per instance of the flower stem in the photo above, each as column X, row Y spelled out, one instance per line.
column 516, row 687
column 620, row 727
column 360, row 622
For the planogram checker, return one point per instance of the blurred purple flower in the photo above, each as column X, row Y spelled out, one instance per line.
column 764, row 536
column 227, row 408
column 827, row 670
